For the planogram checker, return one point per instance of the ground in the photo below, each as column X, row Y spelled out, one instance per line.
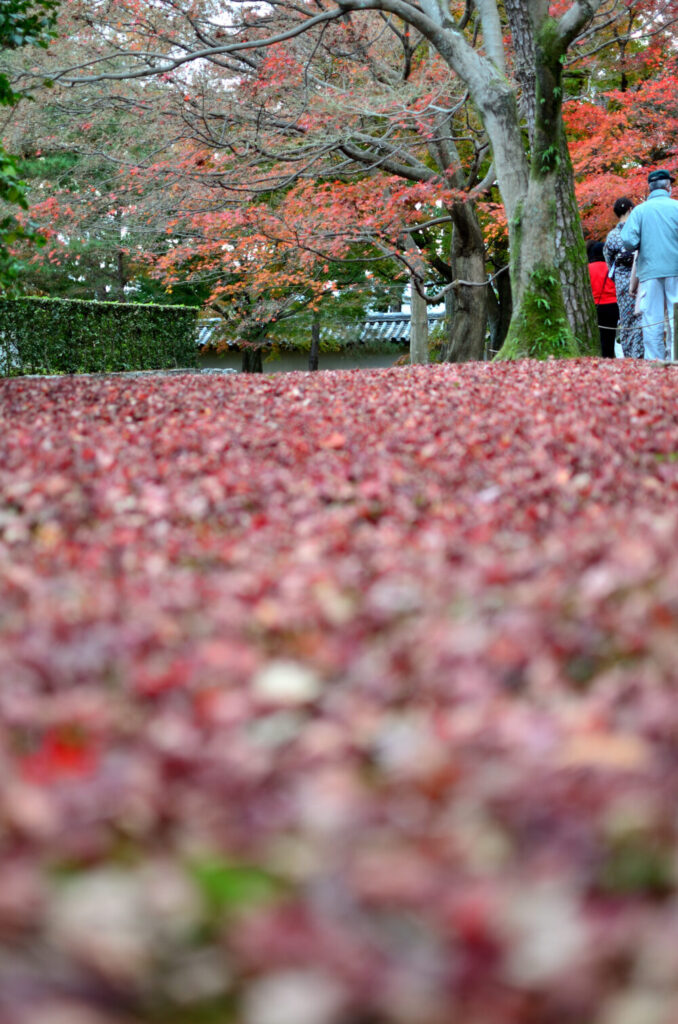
column 340, row 697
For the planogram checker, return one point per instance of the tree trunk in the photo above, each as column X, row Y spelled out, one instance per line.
column 553, row 306
column 571, row 260
column 252, row 360
column 553, row 309
column 121, row 275
column 500, row 309
column 313, row 355
column 418, row 328
column 467, row 310
column 539, row 325
column 465, row 304
column 449, row 327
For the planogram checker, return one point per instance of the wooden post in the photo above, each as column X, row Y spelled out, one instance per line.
column 418, row 327
column 315, row 342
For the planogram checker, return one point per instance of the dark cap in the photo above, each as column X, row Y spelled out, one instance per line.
column 660, row 175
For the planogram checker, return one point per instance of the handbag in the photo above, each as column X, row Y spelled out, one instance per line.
column 633, row 281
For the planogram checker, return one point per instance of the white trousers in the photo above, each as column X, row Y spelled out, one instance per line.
column 656, row 299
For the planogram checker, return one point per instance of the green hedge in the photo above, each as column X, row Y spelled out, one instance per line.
column 45, row 335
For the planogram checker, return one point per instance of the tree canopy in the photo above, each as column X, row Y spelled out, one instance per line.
column 22, row 23
column 253, row 147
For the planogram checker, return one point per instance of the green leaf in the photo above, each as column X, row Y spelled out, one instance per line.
column 225, row 885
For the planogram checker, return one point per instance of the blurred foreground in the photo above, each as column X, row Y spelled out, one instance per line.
column 344, row 698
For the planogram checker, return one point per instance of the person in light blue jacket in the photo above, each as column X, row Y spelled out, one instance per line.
column 652, row 229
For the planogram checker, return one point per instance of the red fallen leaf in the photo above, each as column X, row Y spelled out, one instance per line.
column 62, row 754
column 472, row 915
column 153, row 679
column 335, row 440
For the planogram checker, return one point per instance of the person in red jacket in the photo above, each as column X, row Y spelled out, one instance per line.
column 605, row 298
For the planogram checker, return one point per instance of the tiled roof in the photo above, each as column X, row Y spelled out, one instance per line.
column 393, row 327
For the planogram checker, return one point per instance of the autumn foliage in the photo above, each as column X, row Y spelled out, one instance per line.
column 266, row 178
column 340, row 697
column 619, row 134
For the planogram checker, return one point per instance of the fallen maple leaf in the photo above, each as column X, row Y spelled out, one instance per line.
column 335, row 440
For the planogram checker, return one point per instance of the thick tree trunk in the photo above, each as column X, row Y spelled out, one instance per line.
column 549, row 275
column 467, row 309
column 418, row 328
column 571, row 260
column 553, row 307
column 252, row 361
column 465, row 304
column 539, row 325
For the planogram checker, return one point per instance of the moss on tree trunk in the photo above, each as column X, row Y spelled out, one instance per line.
column 540, row 327
column 543, row 270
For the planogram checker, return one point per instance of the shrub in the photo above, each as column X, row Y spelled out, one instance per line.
column 49, row 335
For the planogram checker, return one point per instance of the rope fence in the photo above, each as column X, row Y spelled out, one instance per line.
column 673, row 335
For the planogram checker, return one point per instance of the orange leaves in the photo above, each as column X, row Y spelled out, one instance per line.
column 621, row 131
column 279, row 69
column 606, row 751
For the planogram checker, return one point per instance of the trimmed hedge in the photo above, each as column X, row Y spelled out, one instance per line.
column 48, row 335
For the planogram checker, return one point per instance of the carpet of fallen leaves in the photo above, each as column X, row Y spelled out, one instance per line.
column 340, row 698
